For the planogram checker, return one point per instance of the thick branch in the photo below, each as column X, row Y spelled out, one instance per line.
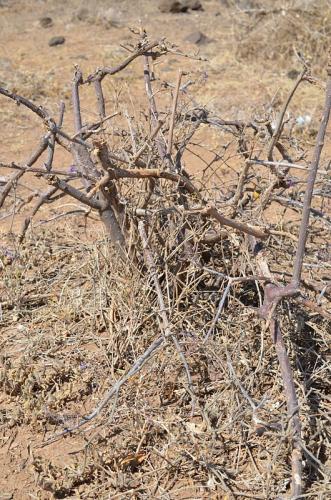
column 244, row 228
column 310, row 184
column 100, row 98
column 51, row 142
column 292, row 407
column 77, row 80
column 74, row 192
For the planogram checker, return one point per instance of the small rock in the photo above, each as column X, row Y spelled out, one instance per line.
column 46, row 22
column 197, row 37
column 176, row 6
column 56, row 40
column 293, row 74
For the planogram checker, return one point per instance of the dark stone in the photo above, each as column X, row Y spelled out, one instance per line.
column 197, row 37
column 46, row 22
column 293, row 74
column 56, row 40
column 176, row 6
column 193, row 4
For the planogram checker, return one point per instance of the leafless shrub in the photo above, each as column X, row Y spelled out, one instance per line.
column 178, row 280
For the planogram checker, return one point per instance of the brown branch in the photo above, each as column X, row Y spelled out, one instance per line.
column 51, row 142
column 173, row 112
column 156, row 173
column 41, row 200
column 209, row 211
column 72, row 191
column 297, row 269
column 292, row 407
column 244, row 228
column 274, row 293
column 15, row 177
column 100, row 98
column 100, row 73
column 77, row 80
column 278, row 129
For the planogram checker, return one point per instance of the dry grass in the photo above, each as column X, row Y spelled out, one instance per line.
column 275, row 30
column 75, row 319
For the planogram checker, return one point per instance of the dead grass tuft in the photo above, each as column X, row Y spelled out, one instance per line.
column 275, row 31
column 76, row 318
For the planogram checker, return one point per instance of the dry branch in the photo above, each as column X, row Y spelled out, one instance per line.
column 274, row 294
column 143, row 48
column 279, row 125
column 310, row 184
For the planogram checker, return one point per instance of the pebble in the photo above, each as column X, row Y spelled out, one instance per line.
column 293, row 74
column 176, row 6
column 197, row 37
column 46, row 22
column 56, row 40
